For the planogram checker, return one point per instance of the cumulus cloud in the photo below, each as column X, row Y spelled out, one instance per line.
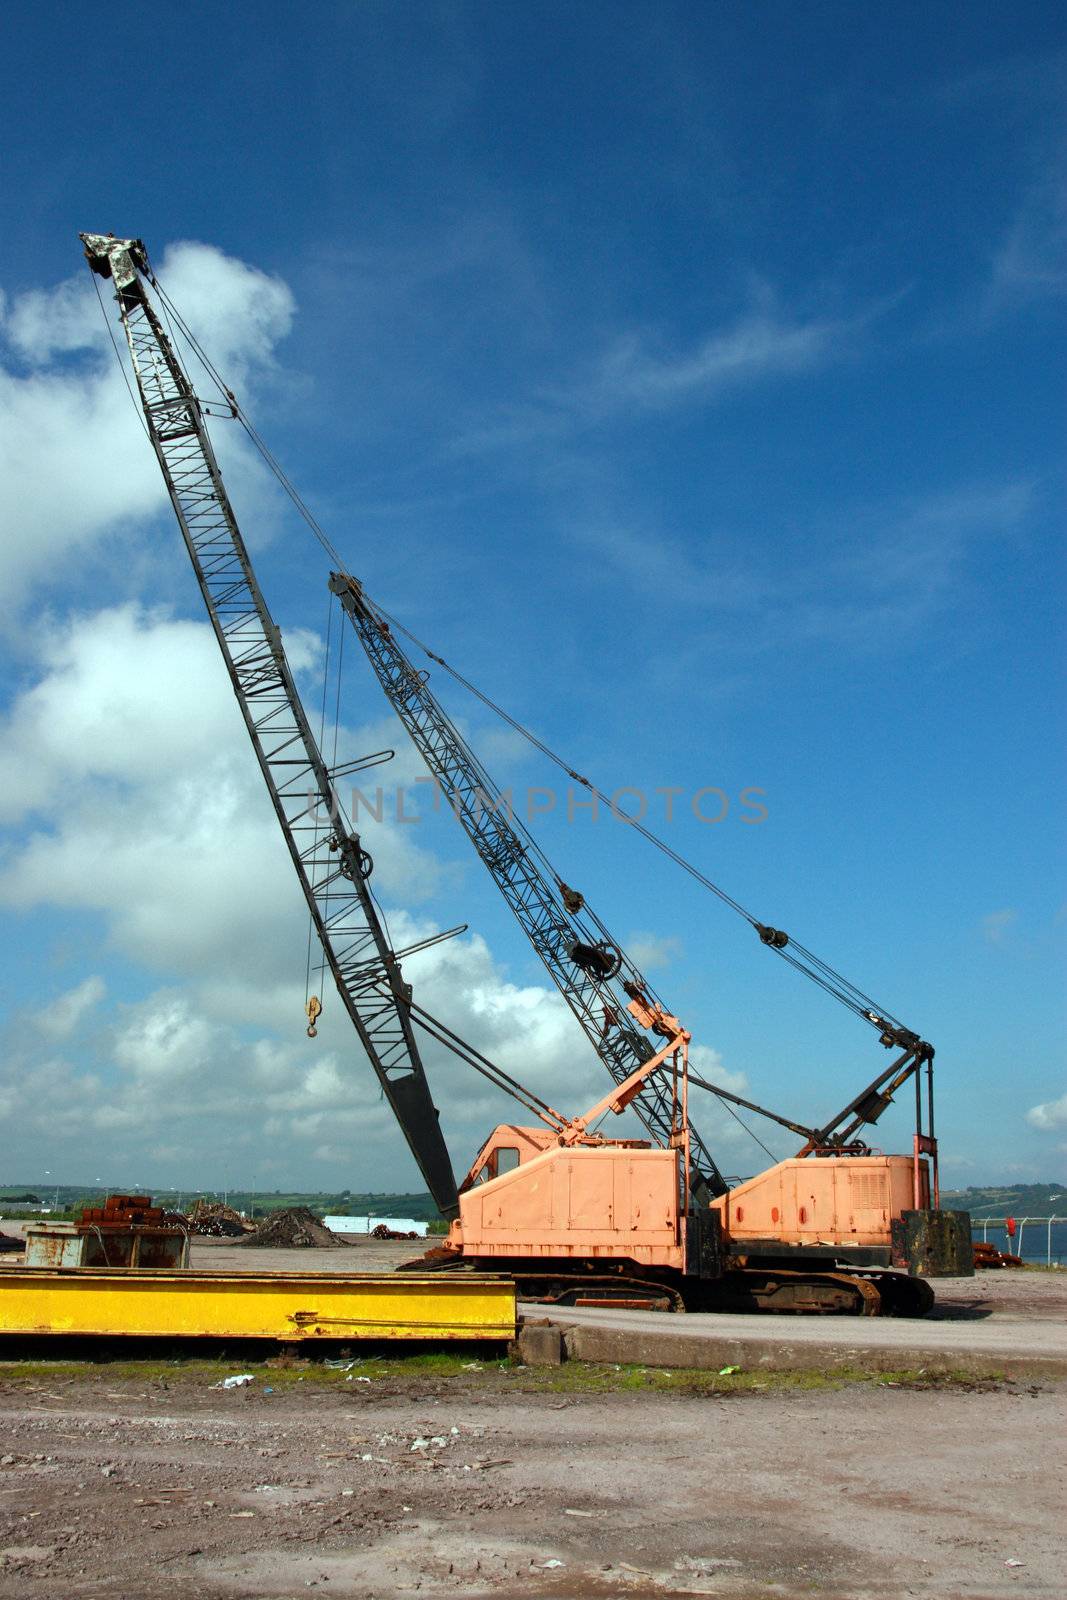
column 1050, row 1116
column 172, row 1077
column 128, row 764
column 73, row 457
column 174, row 1073
column 130, row 793
column 130, row 797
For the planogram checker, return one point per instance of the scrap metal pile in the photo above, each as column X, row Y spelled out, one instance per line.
column 212, row 1220
column 987, row 1255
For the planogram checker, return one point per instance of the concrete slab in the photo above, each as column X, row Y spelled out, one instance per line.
column 1012, row 1346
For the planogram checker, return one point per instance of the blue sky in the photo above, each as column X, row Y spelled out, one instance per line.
column 690, row 376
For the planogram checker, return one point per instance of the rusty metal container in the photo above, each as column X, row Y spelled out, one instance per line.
column 126, row 1231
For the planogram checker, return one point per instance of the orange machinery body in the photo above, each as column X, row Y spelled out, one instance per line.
column 625, row 1201
column 843, row 1201
column 607, row 1201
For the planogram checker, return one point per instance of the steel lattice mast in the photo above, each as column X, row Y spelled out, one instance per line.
column 331, row 864
column 589, row 969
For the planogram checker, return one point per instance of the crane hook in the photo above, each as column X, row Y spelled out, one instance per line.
column 314, row 1011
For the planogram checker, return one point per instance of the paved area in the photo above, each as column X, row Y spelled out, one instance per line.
column 1013, row 1345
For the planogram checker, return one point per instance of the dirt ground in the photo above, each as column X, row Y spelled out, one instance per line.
column 424, row 1477
column 462, row 1475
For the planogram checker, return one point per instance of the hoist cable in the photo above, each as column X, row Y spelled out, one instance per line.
column 118, row 358
column 743, row 1124
column 564, row 766
column 315, row 817
column 833, row 982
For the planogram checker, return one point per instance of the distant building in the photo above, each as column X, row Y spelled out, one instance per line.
column 367, row 1224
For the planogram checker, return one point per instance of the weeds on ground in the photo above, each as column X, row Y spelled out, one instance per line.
column 460, row 1372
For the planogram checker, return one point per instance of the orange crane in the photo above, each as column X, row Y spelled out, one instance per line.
column 571, row 1213
column 837, row 1227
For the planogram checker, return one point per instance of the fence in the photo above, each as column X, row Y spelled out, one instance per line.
column 1015, row 1245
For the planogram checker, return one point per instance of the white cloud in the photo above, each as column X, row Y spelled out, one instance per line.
column 215, row 1103
column 173, row 1071
column 1049, row 1116
column 650, row 951
column 75, row 463
column 726, row 1132
column 129, row 759
column 63, row 1014
column 129, row 771
column 758, row 346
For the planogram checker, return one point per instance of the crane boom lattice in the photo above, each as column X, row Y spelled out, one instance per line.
column 597, row 997
column 331, row 864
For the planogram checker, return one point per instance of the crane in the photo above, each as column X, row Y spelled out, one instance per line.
column 562, row 1207
column 331, row 863
column 591, row 970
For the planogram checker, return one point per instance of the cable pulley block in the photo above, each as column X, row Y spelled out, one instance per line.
column 600, row 961
column 365, row 863
column 772, row 936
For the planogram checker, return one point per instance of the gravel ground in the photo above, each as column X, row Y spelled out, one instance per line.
column 140, row 1485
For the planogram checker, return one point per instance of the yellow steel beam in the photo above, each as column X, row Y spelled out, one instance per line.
column 263, row 1305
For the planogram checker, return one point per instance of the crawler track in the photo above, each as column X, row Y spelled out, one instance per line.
column 782, row 1291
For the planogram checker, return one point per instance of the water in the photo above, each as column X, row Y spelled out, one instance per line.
column 1035, row 1240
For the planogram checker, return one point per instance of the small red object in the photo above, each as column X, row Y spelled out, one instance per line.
column 1009, row 1223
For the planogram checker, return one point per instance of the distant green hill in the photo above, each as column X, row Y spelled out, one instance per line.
column 1017, row 1200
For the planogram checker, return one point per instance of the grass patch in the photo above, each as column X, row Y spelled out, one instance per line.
column 460, row 1372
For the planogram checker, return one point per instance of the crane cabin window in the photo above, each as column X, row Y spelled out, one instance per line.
column 496, row 1163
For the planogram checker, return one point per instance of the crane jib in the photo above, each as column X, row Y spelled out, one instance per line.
column 330, row 863
column 594, row 993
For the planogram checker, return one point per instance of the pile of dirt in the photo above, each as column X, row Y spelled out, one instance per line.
column 296, row 1228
